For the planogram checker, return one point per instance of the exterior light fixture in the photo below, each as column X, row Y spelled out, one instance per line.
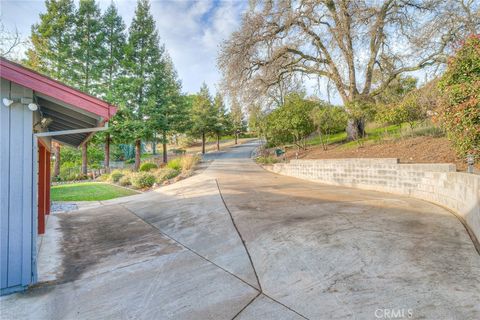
column 33, row 106
column 45, row 122
column 470, row 162
column 7, row 102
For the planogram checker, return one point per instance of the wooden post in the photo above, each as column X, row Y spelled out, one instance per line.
column 41, row 189
column 56, row 168
column 48, row 181
column 84, row 159
column 107, row 153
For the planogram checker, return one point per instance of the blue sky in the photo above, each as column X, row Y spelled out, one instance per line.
column 191, row 30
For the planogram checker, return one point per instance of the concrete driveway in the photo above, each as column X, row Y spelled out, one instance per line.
column 238, row 242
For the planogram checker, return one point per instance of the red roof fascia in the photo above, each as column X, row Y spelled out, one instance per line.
column 52, row 88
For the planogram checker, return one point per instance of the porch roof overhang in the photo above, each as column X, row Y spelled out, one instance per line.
column 65, row 107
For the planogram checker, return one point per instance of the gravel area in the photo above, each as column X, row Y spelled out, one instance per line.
column 63, row 207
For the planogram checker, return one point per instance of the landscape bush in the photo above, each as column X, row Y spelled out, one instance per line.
column 175, row 164
column 142, row 180
column 460, row 107
column 104, row 177
column 328, row 120
column 188, row 162
column 291, row 122
column 116, row 175
column 147, row 166
column 165, row 174
column 125, row 181
column 267, row 159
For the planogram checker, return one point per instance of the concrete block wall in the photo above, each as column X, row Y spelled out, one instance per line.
column 437, row 183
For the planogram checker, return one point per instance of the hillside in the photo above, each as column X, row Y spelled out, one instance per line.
column 386, row 143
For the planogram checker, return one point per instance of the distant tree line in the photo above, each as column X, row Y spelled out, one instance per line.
column 92, row 51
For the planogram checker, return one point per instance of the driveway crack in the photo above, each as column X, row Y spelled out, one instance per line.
column 251, row 262
column 240, row 235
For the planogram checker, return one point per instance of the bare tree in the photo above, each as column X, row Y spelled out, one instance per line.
column 9, row 42
column 360, row 46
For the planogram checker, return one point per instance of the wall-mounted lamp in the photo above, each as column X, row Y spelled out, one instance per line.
column 7, row 102
column 33, row 106
column 43, row 123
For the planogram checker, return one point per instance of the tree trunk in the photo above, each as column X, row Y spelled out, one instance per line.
column 203, row 142
column 154, row 144
column 107, row 153
column 236, row 138
column 164, row 147
column 355, row 129
column 218, row 142
column 84, row 159
column 56, row 168
column 138, row 152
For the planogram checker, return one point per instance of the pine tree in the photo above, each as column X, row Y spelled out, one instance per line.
column 88, row 49
column 114, row 42
column 142, row 54
column 167, row 110
column 203, row 115
column 51, row 39
column 236, row 115
column 222, row 123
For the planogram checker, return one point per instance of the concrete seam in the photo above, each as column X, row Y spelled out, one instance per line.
column 251, row 261
column 246, row 306
column 189, row 249
column 240, row 235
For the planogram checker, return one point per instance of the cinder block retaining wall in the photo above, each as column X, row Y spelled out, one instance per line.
column 438, row 183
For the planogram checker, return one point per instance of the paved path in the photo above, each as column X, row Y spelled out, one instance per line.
column 238, row 242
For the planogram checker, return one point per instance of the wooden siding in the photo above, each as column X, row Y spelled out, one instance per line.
column 16, row 190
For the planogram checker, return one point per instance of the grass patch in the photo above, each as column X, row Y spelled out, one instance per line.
column 88, row 191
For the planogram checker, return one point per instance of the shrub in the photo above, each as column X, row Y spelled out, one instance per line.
column 147, row 166
column 175, row 164
column 328, row 120
column 165, row 174
column 267, row 160
column 460, row 109
column 141, row 180
column 116, row 175
column 104, row 177
column 125, row 181
column 188, row 162
column 291, row 122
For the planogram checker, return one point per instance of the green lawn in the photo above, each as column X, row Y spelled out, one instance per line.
column 88, row 191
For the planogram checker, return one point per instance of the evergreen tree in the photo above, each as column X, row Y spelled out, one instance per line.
column 89, row 53
column 167, row 107
column 52, row 38
column 142, row 54
column 114, row 42
column 222, row 119
column 203, row 115
column 236, row 115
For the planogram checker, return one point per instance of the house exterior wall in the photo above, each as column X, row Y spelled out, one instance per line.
column 17, row 190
